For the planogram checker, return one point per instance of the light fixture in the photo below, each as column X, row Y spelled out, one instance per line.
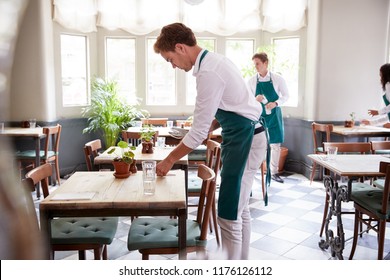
column 193, row 2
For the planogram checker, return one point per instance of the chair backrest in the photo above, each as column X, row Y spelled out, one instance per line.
column 39, row 174
column 350, row 147
column 91, row 150
column 52, row 143
column 321, row 133
column 155, row 121
column 380, row 146
column 214, row 156
column 206, row 198
column 133, row 138
column 384, row 167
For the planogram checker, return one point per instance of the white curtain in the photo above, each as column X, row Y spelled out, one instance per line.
column 220, row 17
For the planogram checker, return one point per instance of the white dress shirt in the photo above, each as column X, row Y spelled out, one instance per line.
column 219, row 85
column 278, row 82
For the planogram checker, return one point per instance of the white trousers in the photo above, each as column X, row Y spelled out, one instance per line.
column 236, row 233
column 275, row 156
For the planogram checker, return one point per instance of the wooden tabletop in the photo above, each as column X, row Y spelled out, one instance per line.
column 361, row 130
column 159, row 153
column 99, row 190
column 352, row 165
column 23, row 132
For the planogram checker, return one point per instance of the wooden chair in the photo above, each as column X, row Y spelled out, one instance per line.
column 79, row 234
column 134, row 138
column 91, row 150
column 195, row 184
column 344, row 147
column 321, row 133
column 383, row 148
column 152, row 236
column 155, row 121
column 374, row 204
column 49, row 154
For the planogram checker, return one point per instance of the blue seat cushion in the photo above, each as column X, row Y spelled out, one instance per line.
column 194, row 184
column 198, row 154
column 379, row 183
column 30, row 154
column 94, row 230
column 147, row 233
column 372, row 201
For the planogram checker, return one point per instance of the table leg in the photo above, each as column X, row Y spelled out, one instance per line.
column 182, row 232
column 337, row 195
column 38, row 162
column 45, row 221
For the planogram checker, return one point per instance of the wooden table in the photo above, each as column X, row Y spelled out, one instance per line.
column 170, row 140
column 353, row 167
column 159, row 153
column 361, row 131
column 33, row 133
column 100, row 194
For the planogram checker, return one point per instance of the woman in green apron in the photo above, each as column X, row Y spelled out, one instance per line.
column 271, row 91
column 222, row 100
column 384, row 113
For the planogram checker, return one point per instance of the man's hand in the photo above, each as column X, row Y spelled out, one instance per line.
column 373, row 112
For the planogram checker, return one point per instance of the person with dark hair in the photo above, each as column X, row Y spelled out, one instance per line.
column 223, row 100
column 383, row 113
column 271, row 91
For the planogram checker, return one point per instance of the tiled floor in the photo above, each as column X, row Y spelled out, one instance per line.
column 286, row 229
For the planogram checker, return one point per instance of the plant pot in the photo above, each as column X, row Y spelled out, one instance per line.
column 122, row 169
column 147, row 147
column 349, row 124
column 133, row 167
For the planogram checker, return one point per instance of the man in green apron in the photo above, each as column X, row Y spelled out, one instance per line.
column 223, row 100
column 271, row 91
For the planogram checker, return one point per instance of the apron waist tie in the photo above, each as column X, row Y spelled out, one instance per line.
column 259, row 130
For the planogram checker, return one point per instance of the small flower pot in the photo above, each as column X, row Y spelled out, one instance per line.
column 122, row 169
column 349, row 124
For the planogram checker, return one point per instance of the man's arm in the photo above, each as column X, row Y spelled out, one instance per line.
column 165, row 165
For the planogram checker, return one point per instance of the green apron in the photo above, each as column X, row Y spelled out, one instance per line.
column 237, row 135
column 386, row 103
column 273, row 121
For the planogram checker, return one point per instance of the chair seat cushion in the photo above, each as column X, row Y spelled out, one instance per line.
column 372, row 201
column 379, row 183
column 94, row 230
column 147, row 233
column 30, row 154
column 198, row 154
column 358, row 186
column 194, row 185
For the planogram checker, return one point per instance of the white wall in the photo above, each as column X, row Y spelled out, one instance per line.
column 352, row 45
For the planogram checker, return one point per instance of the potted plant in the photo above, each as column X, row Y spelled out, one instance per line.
column 147, row 137
column 109, row 113
column 351, row 121
column 124, row 161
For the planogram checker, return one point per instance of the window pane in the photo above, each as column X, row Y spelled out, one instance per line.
column 286, row 63
column 240, row 51
column 160, row 79
column 208, row 44
column 120, row 63
column 74, row 70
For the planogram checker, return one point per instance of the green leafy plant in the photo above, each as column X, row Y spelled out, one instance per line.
column 108, row 112
column 352, row 116
column 147, row 133
column 125, row 156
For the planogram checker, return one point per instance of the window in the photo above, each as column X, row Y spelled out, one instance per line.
column 74, row 70
column 208, row 44
column 286, row 63
column 120, row 65
column 240, row 51
column 160, row 79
